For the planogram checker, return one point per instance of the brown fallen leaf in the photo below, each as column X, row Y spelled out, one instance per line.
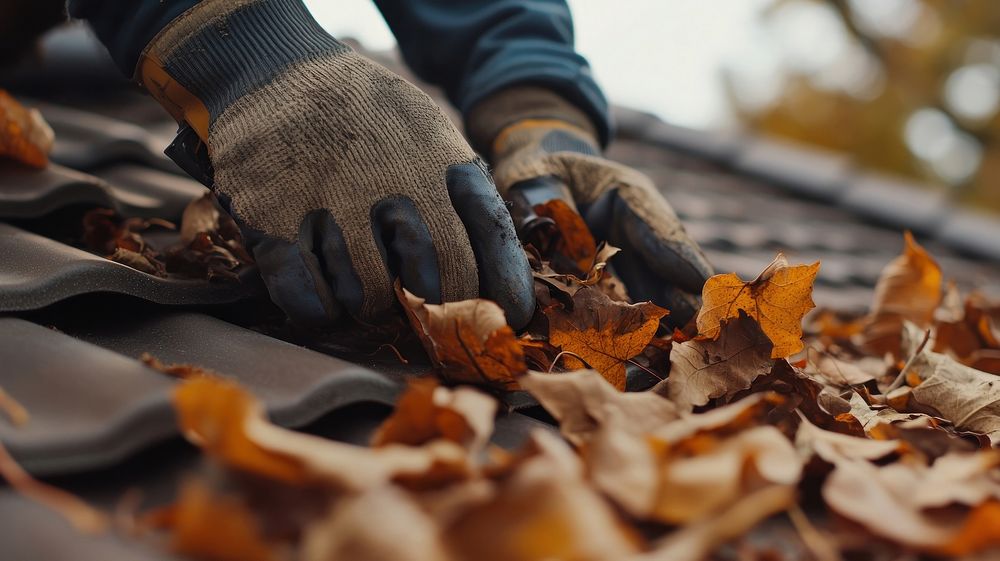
column 542, row 510
column 844, row 373
column 582, row 401
column 24, row 134
column 382, row 524
column 218, row 528
column 211, row 244
column 575, row 243
column 902, row 501
column 80, row 515
column 177, row 370
column 229, row 425
column 427, row 411
column 702, row 369
column 696, row 541
column 603, row 333
column 910, row 285
column 703, row 476
column 909, row 289
column 468, row 341
column 967, row 397
column 777, row 300
column 13, row 409
column 834, row 446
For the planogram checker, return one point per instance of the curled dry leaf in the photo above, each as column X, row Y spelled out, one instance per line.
column 704, row 475
column 834, row 446
column 468, row 341
column 967, row 397
column 211, row 245
column 542, row 510
column 697, row 541
column 203, row 525
column 224, row 421
column 381, row 524
column 13, row 409
column 902, row 501
column 177, row 370
column 79, row 514
column 582, row 401
column 602, row 332
column 575, row 243
column 702, row 369
column 909, row 289
column 777, row 300
column 427, row 411
column 24, row 134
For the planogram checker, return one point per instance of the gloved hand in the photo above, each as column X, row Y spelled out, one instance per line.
column 533, row 136
column 342, row 175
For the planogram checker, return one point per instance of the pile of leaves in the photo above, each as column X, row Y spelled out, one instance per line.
column 864, row 437
column 210, row 244
column 25, row 137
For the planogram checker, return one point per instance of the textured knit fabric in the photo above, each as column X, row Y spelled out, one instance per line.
column 472, row 48
column 520, row 103
column 295, row 146
column 522, row 155
column 659, row 261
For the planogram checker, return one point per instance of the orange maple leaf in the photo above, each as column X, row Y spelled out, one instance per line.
column 603, row 332
column 777, row 299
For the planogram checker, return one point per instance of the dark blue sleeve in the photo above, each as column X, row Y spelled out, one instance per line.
column 127, row 26
column 473, row 48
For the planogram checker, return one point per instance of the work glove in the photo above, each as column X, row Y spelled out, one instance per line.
column 542, row 147
column 342, row 175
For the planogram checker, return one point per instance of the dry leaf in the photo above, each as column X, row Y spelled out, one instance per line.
column 427, row 411
column 777, row 300
column 229, row 425
column 706, row 475
column 216, row 528
column 24, row 134
column 604, row 333
column 967, row 397
column 833, row 446
column 383, row 524
column 581, row 402
column 910, row 286
column 575, row 243
column 543, row 510
column 468, row 341
column 79, row 514
column 14, row 411
column 696, row 541
column 901, row 501
column 909, row 289
column 702, row 369
column 211, row 244
column 177, row 370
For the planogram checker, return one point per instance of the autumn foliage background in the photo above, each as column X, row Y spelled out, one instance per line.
column 908, row 87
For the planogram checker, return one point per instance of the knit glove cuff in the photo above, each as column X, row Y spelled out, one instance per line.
column 220, row 50
column 518, row 106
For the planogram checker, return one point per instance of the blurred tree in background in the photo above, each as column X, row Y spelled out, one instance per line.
column 910, row 87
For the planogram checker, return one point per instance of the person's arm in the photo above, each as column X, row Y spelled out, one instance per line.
column 476, row 48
